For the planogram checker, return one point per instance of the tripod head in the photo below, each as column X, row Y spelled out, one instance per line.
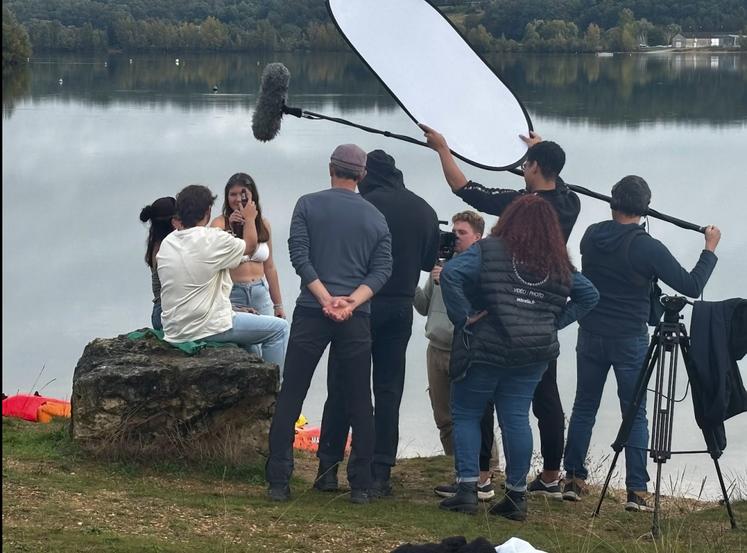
column 672, row 306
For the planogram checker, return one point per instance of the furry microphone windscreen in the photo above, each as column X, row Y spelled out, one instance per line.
column 273, row 91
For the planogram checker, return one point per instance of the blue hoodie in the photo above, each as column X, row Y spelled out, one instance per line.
column 622, row 277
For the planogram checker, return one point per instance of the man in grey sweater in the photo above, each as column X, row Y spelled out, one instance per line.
column 340, row 246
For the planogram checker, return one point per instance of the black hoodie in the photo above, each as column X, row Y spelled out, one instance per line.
column 620, row 260
column 412, row 223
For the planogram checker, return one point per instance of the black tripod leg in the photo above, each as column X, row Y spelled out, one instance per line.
column 652, row 356
column 732, row 520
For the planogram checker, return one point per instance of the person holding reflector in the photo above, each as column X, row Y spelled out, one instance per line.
column 544, row 161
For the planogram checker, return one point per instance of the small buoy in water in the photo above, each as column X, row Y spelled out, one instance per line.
column 257, row 63
column 215, row 88
column 130, row 60
column 106, row 64
column 59, row 82
column 176, row 61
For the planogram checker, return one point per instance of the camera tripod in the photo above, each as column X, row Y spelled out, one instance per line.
column 669, row 339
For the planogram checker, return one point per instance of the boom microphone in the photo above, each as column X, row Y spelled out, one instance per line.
column 273, row 92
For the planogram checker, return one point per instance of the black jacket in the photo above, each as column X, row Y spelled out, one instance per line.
column 412, row 223
column 495, row 200
column 520, row 327
column 718, row 340
column 620, row 260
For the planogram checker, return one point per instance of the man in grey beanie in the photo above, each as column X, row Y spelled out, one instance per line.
column 340, row 246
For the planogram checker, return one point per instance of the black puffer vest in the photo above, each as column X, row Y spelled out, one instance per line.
column 520, row 327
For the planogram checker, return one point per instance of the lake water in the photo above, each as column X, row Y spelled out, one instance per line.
column 87, row 142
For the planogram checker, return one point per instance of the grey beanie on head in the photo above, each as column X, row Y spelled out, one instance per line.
column 349, row 157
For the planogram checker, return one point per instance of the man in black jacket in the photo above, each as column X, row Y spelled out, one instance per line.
column 414, row 228
column 621, row 260
column 542, row 167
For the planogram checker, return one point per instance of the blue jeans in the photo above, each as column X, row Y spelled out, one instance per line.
column 594, row 356
column 249, row 330
column 155, row 316
column 512, row 390
column 253, row 294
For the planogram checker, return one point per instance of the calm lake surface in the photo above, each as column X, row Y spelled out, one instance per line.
column 87, row 142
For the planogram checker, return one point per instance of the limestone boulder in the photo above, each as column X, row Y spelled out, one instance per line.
column 144, row 397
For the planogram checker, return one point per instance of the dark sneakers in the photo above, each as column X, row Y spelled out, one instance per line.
column 463, row 501
column 538, row 487
column 574, row 489
column 381, row 488
column 513, row 506
column 326, row 478
column 636, row 502
column 485, row 491
column 360, row 497
column 279, row 493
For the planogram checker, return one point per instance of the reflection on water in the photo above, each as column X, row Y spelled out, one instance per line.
column 622, row 90
column 81, row 158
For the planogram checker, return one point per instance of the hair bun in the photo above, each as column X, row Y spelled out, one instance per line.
column 146, row 214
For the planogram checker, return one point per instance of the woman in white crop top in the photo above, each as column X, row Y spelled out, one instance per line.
column 255, row 281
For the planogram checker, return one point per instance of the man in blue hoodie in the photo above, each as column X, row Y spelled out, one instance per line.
column 622, row 260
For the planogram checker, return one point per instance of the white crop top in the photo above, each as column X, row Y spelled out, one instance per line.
column 260, row 255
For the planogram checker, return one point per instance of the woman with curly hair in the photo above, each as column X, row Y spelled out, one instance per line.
column 159, row 213
column 255, row 281
column 507, row 297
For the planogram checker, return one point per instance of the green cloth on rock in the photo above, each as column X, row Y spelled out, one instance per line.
column 190, row 348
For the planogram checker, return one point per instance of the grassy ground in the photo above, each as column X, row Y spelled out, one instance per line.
column 57, row 499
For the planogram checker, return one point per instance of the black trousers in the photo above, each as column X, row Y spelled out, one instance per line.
column 486, row 437
column 310, row 333
column 391, row 327
column 550, row 418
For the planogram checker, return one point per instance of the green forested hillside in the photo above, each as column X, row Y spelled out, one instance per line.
column 284, row 25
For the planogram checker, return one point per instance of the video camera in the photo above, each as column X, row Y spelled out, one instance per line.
column 446, row 243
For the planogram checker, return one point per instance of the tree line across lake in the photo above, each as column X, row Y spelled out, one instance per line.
column 292, row 25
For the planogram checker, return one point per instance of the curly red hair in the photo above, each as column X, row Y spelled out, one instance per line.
column 530, row 230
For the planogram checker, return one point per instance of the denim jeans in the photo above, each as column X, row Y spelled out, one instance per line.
column 595, row 354
column 155, row 316
column 512, row 390
column 253, row 294
column 249, row 330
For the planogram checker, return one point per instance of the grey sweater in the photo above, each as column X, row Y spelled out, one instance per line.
column 438, row 328
column 341, row 239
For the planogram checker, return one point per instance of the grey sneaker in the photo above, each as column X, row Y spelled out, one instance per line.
column 574, row 489
column 485, row 491
column 636, row 502
column 359, row 497
column 538, row 487
column 279, row 493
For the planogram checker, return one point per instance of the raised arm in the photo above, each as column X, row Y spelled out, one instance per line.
column 653, row 258
column 452, row 172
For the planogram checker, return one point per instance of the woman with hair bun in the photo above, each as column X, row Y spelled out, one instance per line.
column 159, row 213
column 255, row 281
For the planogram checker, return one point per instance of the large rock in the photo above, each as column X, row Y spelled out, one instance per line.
column 144, row 397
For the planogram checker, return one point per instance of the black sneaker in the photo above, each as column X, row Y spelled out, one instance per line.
column 538, row 487
column 485, row 491
column 359, row 497
column 279, row 493
column 326, row 478
column 513, row 506
column 574, row 489
column 636, row 502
